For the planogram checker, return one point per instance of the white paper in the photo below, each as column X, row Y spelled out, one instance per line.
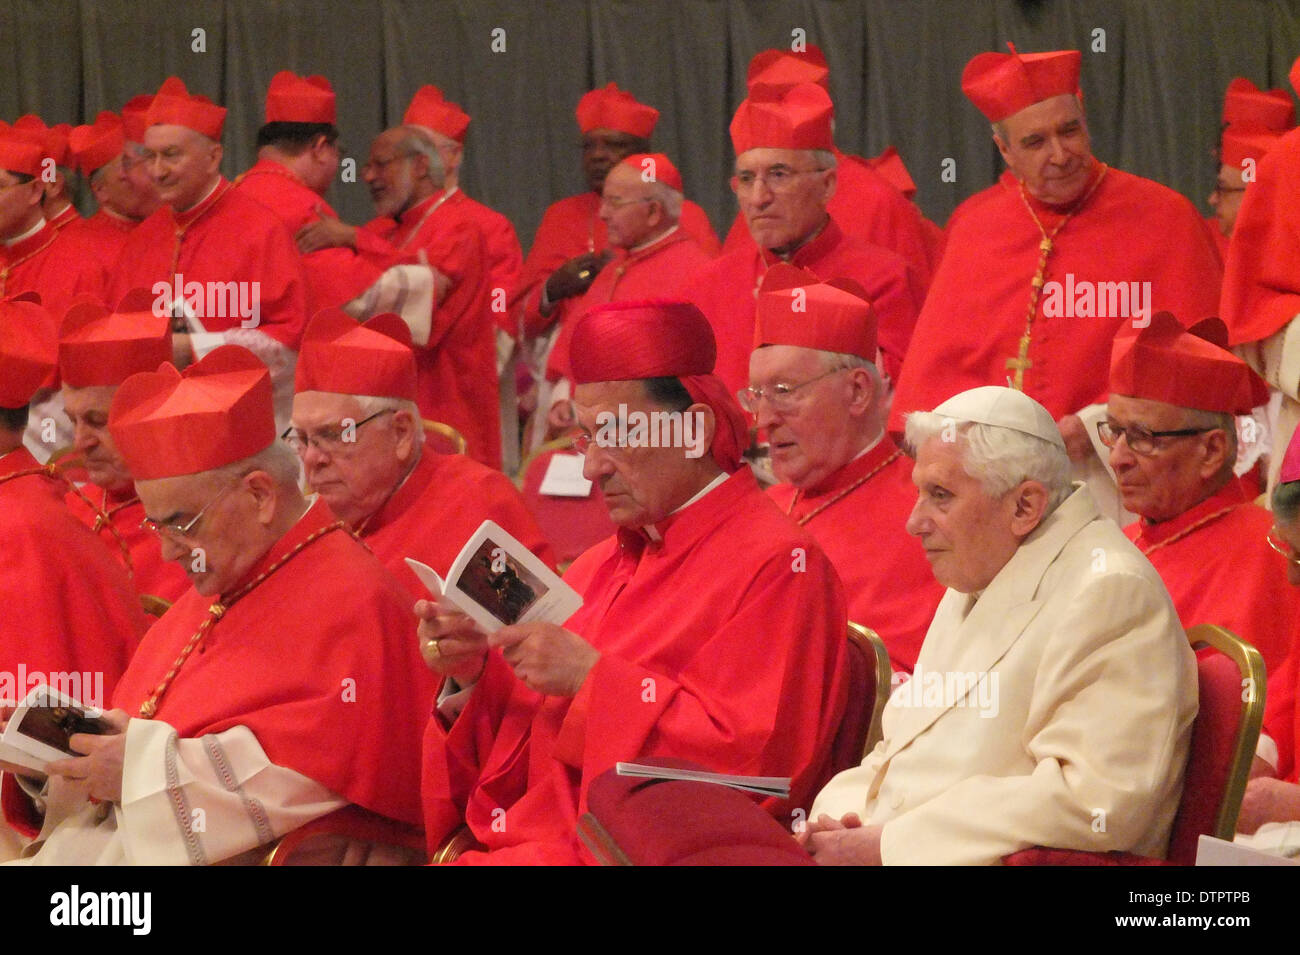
column 564, row 478
column 495, row 580
column 23, row 750
column 763, row 785
column 1212, row 851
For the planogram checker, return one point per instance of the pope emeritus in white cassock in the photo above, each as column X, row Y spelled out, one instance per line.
column 1053, row 697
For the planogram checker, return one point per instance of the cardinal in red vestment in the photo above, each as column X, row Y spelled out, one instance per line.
column 661, row 659
column 1172, row 435
column 817, row 398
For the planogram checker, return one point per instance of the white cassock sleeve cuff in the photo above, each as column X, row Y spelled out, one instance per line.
column 198, row 801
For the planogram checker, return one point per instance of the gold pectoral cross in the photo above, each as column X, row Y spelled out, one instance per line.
column 1020, row 364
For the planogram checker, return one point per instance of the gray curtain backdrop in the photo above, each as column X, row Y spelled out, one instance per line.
column 1153, row 77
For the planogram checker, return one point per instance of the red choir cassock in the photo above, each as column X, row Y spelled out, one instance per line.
column 430, row 110
column 1213, row 557
column 1102, row 269
column 101, row 349
column 862, row 529
column 457, row 365
column 226, row 237
column 1218, row 568
column 656, row 270
column 676, row 611
column 442, row 501
column 341, row 696
column 1281, row 716
column 572, row 227
column 68, row 606
column 725, row 289
column 55, row 146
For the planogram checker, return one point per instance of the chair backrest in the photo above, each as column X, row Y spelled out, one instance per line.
column 1227, row 726
column 443, row 438
column 154, row 606
column 869, row 686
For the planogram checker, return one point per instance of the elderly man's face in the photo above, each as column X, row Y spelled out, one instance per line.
column 20, row 203
column 811, row 435
column 120, row 188
column 641, row 485
column 1174, row 477
column 390, row 174
column 782, row 194
column 1047, row 146
column 355, row 469
column 629, row 214
column 215, row 553
column 135, row 167
column 1226, row 198
column 87, row 409
column 967, row 535
column 182, row 163
column 602, row 150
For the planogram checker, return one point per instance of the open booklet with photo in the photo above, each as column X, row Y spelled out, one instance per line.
column 497, row 581
column 41, row 726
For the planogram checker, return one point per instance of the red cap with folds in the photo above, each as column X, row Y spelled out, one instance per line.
column 613, row 108
column 133, row 117
column 29, row 350
column 626, row 341
column 795, row 117
column 430, row 110
column 1002, row 84
column 53, row 140
column 1246, row 141
column 96, row 146
column 166, row 424
column 889, row 165
column 1190, row 368
column 1244, row 102
column 655, row 167
column 174, row 105
column 796, row 308
column 99, row 347
column 785, row 68
column 19, row 153
column 342, row 357
column 297, row 99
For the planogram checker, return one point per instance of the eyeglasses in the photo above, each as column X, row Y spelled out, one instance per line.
column 183, row 531
column 781, row 396
column 1276, row 542
column 327, row 440
column 1141, row 440
column 379, row 165
column 778, row 178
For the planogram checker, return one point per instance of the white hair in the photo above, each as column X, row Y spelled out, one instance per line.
column 372, row 405
column 999, row 458
column 834, row 361
column 415, row 142
column 669, row 199
column 276, row 459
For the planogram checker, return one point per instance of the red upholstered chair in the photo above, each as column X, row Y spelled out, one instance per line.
column 443, row 438
column 636, row 821
column 1222, row 749
column 571, row 524
column 871, row 676
column 349, row 836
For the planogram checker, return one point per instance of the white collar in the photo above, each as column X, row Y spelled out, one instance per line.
column 652, row 532
column 26, row 235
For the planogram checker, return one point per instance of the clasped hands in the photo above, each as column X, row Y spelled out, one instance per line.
column 547, row 658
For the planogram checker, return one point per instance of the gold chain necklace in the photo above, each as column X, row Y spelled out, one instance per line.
column 215, row 612
column 1021, row 362
column 1187, row 530
column 842, row 494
